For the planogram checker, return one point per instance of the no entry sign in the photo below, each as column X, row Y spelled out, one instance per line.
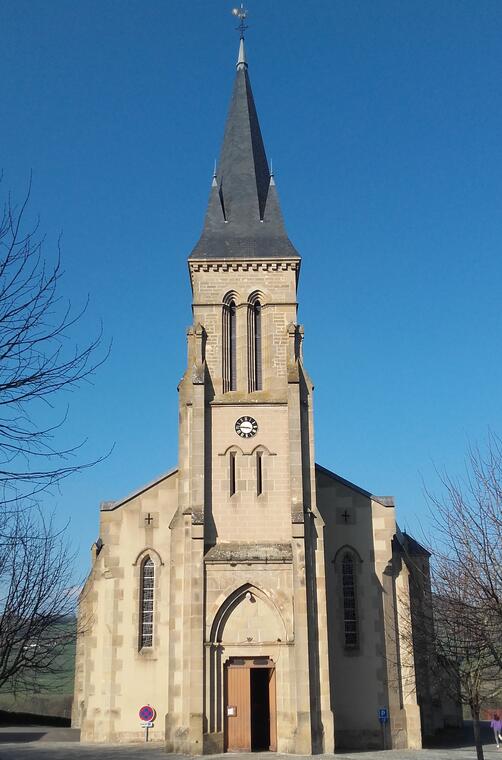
column 147, row 713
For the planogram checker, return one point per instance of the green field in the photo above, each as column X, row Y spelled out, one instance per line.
column 53, row 693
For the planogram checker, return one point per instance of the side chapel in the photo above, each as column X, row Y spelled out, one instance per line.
column 252, row 597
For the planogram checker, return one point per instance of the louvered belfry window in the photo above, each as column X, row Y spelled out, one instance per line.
column 146, row 610
column 229, row 347
column 233, row 347
column 257, row 346
column 255, row 372
column 349, row 603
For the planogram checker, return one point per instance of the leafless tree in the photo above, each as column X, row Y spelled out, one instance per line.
column 37, row 601
column 454, row 618
column 467, row 546
column 467, row 520
column 459, row 643
column 38, row 362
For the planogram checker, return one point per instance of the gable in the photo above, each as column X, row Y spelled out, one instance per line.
column 110, row 506
column 323, row 474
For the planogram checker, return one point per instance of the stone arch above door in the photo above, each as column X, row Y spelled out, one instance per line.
column 248, row 616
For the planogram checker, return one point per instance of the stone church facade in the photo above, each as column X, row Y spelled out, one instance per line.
column 252, row 597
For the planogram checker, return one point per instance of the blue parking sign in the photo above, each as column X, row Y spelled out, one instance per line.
column 383, row 715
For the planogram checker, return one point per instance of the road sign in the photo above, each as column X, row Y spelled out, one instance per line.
column 383, row 715
column 147, row 713
column 149, row 724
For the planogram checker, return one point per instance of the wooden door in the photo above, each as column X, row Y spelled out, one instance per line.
column 272, row 702
column 238, row 709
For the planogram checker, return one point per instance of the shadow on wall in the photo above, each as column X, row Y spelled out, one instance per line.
column 317, row 729
column 357, row 656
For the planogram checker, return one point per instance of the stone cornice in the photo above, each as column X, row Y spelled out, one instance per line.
column 254, row 265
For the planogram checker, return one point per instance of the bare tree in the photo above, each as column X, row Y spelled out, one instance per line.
column 38, row 363
column 37, row 360
column 453, row 635
column 467, row 548
column 467, row 521
column 37, row 601
column 453, row 624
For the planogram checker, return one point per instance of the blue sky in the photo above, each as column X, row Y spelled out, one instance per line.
column 384, row 122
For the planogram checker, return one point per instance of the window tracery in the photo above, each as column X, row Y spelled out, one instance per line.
column 350, row 617
column 146, row 603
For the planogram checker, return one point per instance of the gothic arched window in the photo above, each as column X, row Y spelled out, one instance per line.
column 255, row 362
column 350, row 621
column 229, row 347
column 146, row 603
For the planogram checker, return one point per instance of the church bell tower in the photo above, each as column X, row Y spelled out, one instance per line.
column 248, row 660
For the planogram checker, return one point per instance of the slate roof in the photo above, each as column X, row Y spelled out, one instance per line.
column 413, row 546
column 243, row 217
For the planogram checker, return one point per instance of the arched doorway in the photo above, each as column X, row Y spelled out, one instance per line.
column 250, row 704
column 246, row 632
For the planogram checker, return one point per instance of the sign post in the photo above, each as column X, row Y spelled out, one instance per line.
column 383, row 717
column 147, row 716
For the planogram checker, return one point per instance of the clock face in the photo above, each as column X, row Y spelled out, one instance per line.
column 246, row 427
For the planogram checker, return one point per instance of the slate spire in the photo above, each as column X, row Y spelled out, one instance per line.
column 243, row 217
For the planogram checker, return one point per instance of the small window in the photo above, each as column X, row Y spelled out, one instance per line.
column 232, row 473
column 146, row 610
column 259, row 473
column 350, row 621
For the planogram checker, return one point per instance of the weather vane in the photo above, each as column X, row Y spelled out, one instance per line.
column 241, row 14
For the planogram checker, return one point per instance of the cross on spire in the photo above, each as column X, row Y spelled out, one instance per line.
column 241, row 13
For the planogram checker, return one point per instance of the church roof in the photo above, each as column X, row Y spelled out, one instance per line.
column 385, row 501
column 410, row 544
column 243, row 217
column 109, row 506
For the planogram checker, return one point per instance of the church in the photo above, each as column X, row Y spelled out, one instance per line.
column 252, row 598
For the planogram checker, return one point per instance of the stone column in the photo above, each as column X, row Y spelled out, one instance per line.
column 184, row 722
column 303, row 737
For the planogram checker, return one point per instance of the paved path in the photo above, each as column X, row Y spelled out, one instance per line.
column 72, row 751
column 50, row 743
column 48, row 750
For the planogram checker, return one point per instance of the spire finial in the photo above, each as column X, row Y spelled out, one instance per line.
column 241, row 14
column 272, row 180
